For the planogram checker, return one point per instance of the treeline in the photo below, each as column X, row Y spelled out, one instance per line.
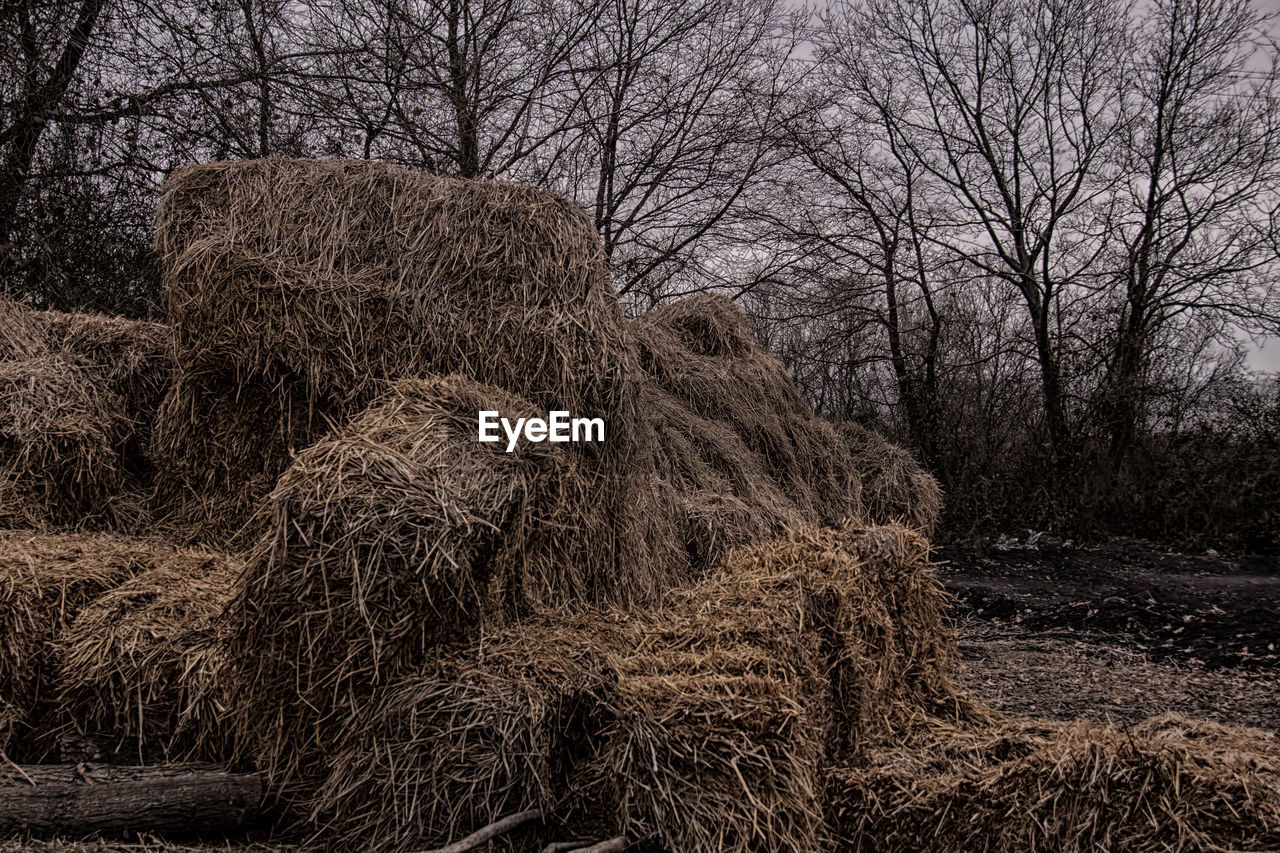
column 1028, row 238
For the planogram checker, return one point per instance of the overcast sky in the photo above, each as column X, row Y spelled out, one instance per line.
column 1267, row 356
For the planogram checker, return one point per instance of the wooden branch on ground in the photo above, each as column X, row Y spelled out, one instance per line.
column 85, row 799
column 613, row 845
column 493, row 830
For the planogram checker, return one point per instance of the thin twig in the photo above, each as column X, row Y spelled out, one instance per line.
column 11, row 763
column 564, row 846
column 613, row 845
column 493, row 830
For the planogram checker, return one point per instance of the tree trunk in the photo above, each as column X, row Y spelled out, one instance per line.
column 29, row 122
column 77, row 800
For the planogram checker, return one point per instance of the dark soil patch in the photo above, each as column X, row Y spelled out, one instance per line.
column 1206, row 609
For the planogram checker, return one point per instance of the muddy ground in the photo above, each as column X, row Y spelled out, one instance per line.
column 1121, row 631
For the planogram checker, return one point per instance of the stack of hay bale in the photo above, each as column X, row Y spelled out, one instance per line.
column 78, row 400
column 717, row 630
column 298, row 288
column 348, row 321
column 705, row 723
column 108, row 637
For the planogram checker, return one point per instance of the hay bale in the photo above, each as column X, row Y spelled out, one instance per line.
column 342, row 273
column 64, row 444
column 737, row 400
column 487, row 730
column 1169, row 784
column 140, row 665
column 895, row 489
column 21, row 334
column 397, row 534
column 325, row 278
column 706, row 723
column 721, row 747
column 78, row 397
column 45, row 580
column 218, row 449
column 133, row 357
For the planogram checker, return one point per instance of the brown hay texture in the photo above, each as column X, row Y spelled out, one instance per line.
column 62, row 438
column 320, row 279
column 45, row 580
column 78, row 397
column 399, row 533
column 133, row 357
column 141, row 665
column 744, row 451
column 218, row 450
column 704, row 724
column 1169, row 784
column 21, row 334
column 895, row 488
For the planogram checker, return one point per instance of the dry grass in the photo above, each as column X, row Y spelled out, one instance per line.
column 702, row 724
column 743, row 451
column 45, row 580
column 216, row 457
column 78, row 397
column 894, row 486
column 321, row 279
column 21, row 334
column 397, row 534
column 721, row 491
column 62, row 441
column 133, row 357
column 1065, row 675
column 700, row 350
column 1169, row 784
column 141, row 665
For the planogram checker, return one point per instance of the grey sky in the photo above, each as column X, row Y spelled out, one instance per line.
column 1267, row 356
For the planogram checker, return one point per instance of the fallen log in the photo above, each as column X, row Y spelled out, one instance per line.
column 85, row 799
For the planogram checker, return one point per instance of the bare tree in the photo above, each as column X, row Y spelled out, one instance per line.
column 679, row 104
column 871, row 209
column 47, row 43
column 1195, row 220
column 464, row 87
column 1010, row 106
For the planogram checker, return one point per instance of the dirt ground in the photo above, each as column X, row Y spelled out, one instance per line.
column 1119, row 632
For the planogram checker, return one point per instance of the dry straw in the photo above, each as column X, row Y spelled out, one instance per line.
column 700, row 350
column 703, row 724
column 45, row 580
column 141, row 665
column 894, row 486
column 321, row 279
column 21, row 334
column 743, row 452
column 78, row 398
column 133, row 357
column 62, row 442
column 219, row 449
column 1169, row 784
column 397, row 534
